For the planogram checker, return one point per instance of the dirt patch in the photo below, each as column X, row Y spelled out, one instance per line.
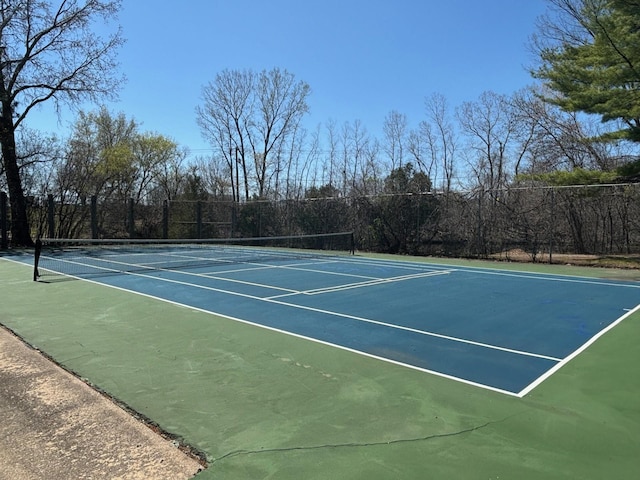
column 56, row 426
column 606, row 261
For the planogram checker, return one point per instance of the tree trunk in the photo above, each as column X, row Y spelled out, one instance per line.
column 20, row 235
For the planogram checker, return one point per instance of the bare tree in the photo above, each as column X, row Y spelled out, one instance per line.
column 37, row 153
column 346, row 152
column 354, row 144
column 489, row 125
column 395, row 135
column 249, row 118
column 442, row 141
column 552, row 139
column 330, row 175
column 371, row 172
column 214, row 177
column 432, row 145
column 224, row 118
column 170, row 175
column 359, row 142
column 293, row 163
column 417, row 142
column 311, row 164
column 49, row 52
column 282, row 101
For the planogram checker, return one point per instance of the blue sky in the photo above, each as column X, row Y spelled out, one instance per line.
column 361, row 58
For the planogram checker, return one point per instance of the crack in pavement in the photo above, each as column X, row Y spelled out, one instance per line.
column 236, row 453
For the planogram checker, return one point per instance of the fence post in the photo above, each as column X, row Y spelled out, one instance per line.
column 553, row 224
column 234, row 216
column 480, row 233
column 165, row 219
column 51, row 216
column 198, row 219
column 94, row 216
column 131, row 219
column 4, row 222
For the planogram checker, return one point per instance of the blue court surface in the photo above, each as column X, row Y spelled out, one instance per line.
column 501, row 330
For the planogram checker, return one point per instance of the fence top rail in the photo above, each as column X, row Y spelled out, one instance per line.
column 102, row 241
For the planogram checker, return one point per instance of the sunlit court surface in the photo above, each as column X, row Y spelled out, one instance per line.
column 499, row 330
column 464, row 332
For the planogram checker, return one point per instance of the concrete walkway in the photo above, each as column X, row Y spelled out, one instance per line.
column 54, row 426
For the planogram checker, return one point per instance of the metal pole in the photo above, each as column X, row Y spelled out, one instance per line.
column 553, row 224
column 198, row 219
column 94, row 216
column 51, row 212
column 131, row 219
column 480, row 236
column 165, row 219
column 233, row 188
column 237, row 178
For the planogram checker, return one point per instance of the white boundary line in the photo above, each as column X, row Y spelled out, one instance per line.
column 370, row 283
column 558, row 277
column 285, row 332
column 321, row 342
column 570, row 357
column 341, row 315
column 532, row 275
column 311, row 339
column 143, row 267
column 540, row 276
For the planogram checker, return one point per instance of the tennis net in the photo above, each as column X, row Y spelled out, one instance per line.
column 88, row 258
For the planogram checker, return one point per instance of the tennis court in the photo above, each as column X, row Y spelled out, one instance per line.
column 417, row 351
column 505, row 331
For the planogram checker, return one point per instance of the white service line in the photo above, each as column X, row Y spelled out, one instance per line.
column 180, row 272
column 377, row 281
column 560, row 362
column 353, row 317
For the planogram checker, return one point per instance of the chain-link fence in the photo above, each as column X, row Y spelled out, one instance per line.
column 538, row 222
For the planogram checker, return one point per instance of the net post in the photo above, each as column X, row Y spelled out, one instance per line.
column 4, row 237
column 553, row 223
column 51, row 216
column 94, row 216
column 352, row 247
column 36, row 259
column 130, row 219
column 165, row 219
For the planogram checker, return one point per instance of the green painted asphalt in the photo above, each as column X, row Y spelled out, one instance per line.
column 261, row 404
